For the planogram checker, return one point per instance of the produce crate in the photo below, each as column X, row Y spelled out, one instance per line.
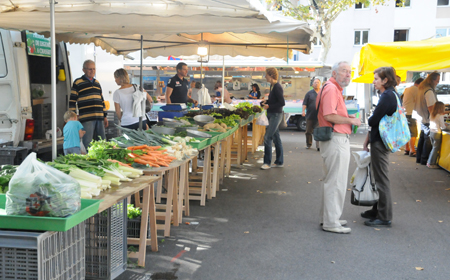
column 12, row 155
column 43, row 255
column 88, row 208
column 106, row 243
column 42, row 111
column 199, row 145
column 217, row 135
column 134, row 228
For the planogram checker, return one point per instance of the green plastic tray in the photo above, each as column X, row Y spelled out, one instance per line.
column 200, row 145
column 89, row 207
column 216, row 135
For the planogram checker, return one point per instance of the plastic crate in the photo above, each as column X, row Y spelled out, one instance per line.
column 106, row 243
column 42, row 111
column 20, row 222
column 12, row 155
column 134, row 228
column 43, row 255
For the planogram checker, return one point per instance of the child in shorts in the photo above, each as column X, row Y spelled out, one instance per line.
column 73, row 132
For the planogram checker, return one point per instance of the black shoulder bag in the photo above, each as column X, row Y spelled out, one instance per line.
column 322, row 133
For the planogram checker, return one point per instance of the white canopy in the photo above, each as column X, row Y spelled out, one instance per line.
column 231, row 27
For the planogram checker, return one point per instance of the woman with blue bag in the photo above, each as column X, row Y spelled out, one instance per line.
column 381, row 212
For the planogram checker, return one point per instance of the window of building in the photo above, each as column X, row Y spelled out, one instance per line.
column 406, row 3
column 401, row 35
column 3, row 68
column 443, row 2
column 361, row 37
column 361, row 6
column 442, row 32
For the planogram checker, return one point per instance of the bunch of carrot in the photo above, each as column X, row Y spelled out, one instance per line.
column 150, row 155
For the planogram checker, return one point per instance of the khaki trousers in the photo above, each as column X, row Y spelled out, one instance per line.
column 336, row 158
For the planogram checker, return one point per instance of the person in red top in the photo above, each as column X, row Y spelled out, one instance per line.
column 335, row 152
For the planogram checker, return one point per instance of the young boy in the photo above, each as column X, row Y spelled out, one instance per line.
column 73, row 132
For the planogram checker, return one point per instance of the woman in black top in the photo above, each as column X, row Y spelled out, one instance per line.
column 254, row 93
column 381, row 212
column 274, row 106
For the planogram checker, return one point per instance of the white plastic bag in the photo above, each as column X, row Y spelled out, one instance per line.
column 82, row 148
column 139, row 98
column 262, row 120
column 37, row 189
column 364, row 190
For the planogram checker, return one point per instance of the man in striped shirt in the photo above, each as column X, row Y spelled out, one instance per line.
column 87, row 94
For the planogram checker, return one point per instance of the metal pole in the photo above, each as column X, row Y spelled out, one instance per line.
column 141, row 77
column 223, row 77
column 53, row 73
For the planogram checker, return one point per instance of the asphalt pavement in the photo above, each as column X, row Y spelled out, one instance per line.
column 264, row 224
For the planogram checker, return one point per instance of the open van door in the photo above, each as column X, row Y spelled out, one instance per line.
column 11, row 123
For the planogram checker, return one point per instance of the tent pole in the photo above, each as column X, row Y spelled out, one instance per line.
column 287, row 50
column 223, row 78
column 201, row 71
column 53, row 73
column 141, row 78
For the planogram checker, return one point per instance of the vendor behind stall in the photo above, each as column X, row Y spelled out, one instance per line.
column 255, row 93
column 178, row 86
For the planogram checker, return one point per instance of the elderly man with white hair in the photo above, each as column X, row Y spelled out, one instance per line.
column 335, row 153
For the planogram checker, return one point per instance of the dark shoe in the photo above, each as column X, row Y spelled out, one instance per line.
column 412, row 154
column 406, row 153
column 378, row 223
column 318, row 149
column 369, row 214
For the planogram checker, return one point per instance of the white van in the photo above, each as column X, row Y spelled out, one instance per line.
column 24, row 67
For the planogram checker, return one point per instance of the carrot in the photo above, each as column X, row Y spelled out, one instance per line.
column 141, row 147
column 131, row 155
column 120, row 163
column 140, row 161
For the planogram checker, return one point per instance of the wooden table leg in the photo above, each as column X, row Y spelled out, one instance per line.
column 239, row 146
column 152, row 213
column 170, row 190
column 182, row 188
column 186, row 190
column 215, row 178
column 194, row 165
column 176, row 189
column 255, row 128
column 159, row 188
column 245, row 146
column 144, row 226
column 205, row 183
column 228, row 154
column 222, row 161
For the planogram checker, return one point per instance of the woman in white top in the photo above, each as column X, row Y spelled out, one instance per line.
column 123, row 101
column 436, row 125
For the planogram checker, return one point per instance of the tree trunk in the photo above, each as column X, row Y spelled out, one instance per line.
column 326, row 45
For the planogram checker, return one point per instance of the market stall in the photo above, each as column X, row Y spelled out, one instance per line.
column 403, row 57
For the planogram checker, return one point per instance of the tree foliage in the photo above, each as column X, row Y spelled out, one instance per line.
column 321, row 14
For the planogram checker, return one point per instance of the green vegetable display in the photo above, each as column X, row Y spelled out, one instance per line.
column 103, row 149
column 5, row 176
column 133, row 212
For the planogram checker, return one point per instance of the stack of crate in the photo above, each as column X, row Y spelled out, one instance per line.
column 112, row 130
column 42, row 115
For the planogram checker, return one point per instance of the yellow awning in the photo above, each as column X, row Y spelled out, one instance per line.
column 426, row 55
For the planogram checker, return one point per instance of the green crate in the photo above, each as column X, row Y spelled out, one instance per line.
column 89, row 207
column 199, row 145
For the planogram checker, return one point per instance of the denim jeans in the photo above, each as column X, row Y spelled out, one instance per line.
column 73, row 150
column 424, row 145
column 436, row 142
column 94, row 130
column 273, row 134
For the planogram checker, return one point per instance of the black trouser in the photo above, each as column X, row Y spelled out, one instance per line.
column 310, row 125
column 380, row 167
column 424, row 146
column 136, row 125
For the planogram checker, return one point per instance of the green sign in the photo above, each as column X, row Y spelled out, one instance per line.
column 38, row 45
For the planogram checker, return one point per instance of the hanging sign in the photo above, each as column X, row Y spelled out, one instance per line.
column 38, row 45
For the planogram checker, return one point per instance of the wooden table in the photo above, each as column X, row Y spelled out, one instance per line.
column 177, row 198
column 117, row 194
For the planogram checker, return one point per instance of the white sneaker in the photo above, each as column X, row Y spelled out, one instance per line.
column 342, row 222
column 265, row 166
column 337, row 229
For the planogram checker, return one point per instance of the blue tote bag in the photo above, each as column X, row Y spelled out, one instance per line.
column 394, row 130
